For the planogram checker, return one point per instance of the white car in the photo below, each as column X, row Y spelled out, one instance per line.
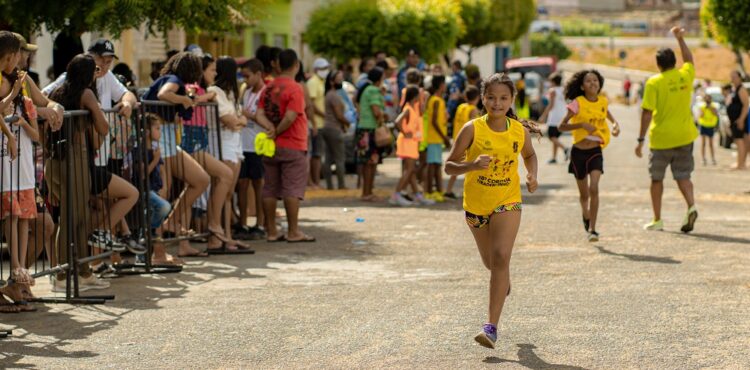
column 545, row 26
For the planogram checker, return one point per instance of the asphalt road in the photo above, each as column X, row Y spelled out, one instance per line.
column 405, row 288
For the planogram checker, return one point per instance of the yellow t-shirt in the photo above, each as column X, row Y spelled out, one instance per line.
column 442, row 120
column 463, row 112
column 317, row 89
column 594, row 113
column 498, row 185
column 668, row 96
column 709, row 119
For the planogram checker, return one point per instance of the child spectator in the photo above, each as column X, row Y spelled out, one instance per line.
column 437, row 138
column 252, row 167
column 465, row 112
column 708, row 120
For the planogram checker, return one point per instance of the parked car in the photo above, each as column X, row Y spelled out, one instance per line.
column 545, row 26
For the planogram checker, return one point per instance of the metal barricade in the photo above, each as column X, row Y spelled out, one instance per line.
column 60, row 189
column 182, row 136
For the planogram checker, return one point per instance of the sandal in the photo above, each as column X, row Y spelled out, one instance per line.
column 305, row 239
column 197, row 254
column 278, row 239
column 219, row 234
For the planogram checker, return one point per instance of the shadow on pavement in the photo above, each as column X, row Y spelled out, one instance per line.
column 529, row 359
column 715, row 238
column 48, row 331
column 639, row 257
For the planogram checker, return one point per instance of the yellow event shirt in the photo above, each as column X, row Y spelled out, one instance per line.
column 317, row 89
column 485, row 190
column 593, row 113
column 463, row 112
column 442, row 120
column 709, row 119
column 668, row 96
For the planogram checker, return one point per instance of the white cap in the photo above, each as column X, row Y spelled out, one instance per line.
column 320, row 63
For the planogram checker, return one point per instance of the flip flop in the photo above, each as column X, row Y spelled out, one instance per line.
column 305, row 239
column 279, row 239
column 230, row 248
column 219, row 235
column 198, row 254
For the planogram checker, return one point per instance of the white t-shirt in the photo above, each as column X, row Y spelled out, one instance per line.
column 558, row 111
column 18, row 174
column 249, row 132
column 108, row 89
column 231, row 147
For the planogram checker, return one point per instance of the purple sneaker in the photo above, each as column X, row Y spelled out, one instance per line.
column 488, row 336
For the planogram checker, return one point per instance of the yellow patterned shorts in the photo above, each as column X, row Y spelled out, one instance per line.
column 479, row 222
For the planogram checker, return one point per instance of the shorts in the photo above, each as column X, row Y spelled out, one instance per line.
column 583, row 162
column 115, row 166
column 434, row 153
column 194, row 138
column 707, row 131
column 316, row 144
column 100, row 178
column 286, row 174
column 252, row 167
column 158, row 209
column 479, row 222
column 365, row 149
column 21, row 204
column 231, row 145
column 736, row 132
column 680, row 159
column 553, row 131
column 168, row 140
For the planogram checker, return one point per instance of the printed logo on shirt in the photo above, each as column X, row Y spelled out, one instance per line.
column 515, row 147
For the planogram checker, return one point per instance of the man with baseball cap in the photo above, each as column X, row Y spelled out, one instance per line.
column 25, row 63
column 108, row 87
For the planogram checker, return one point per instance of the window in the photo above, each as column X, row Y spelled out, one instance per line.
column 259, row 38
column 279, row 40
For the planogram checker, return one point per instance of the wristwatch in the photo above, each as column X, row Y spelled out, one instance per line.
column 641, row 139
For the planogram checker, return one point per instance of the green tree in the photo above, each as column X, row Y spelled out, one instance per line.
column 726, row 21
column 493, row 21
column 115, row 16
column 355, row 28
column 549, row 44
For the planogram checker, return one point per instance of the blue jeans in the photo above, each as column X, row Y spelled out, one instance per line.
column 158, row 209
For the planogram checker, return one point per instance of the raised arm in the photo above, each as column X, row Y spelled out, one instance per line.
column 679, row 34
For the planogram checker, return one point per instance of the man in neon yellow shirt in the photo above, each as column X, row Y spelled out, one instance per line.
column 668, row 118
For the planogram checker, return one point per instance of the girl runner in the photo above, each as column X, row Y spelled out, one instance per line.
column 588, row 112
column 487, row 151
column 407, row 145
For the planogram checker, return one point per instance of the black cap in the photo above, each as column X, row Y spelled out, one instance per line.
column 103, row 47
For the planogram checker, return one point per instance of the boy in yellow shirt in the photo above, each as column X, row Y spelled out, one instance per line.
column 437, row 138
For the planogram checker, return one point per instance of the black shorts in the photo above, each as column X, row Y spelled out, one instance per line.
column 115, row 166
column 100, row 178
column 583, row 162
column 736, row 132
column 553, row 131
column 252, row 167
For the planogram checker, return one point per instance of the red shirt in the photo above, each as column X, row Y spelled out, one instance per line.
column 280, row 95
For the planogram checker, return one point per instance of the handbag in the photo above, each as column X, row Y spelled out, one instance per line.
column 383, row 137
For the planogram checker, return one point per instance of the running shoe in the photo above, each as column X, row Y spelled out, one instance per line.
column 398, row 199
column 488, row 336
column 593, row 237
column 58, row 286
column 450, row 195
column 102, row 239
column 438, row 197
column 91, row 282
column 552, row 161
column 130, row 242
column 689, row 221
column 654, row 226
column 424, row 200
